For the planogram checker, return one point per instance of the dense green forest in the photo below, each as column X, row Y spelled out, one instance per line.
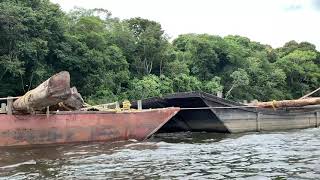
column 111, row 59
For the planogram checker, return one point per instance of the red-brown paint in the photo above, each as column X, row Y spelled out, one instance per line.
column 69, row 127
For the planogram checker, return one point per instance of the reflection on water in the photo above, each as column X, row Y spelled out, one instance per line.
column 276, row 155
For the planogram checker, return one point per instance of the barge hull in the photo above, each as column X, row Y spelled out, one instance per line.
column 205, row 112
column 244, row 121
column 71, row 127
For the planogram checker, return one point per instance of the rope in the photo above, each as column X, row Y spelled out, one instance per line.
column 273, row 104
column 236, row 107
column 232, row 107
column 126, row 105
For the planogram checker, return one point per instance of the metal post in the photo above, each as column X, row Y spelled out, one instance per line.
column 48, row 112
column 117, row 105
column 317, row 119
column 139, row 104
column 9, row 106
column 258, row 122
column 3, row 107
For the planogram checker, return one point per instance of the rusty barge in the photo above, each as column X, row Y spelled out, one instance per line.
column 205, row 112
column 81, row 126
column 55, row 113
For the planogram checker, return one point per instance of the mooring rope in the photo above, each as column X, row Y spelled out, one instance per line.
column 236, row 107
column 227, row 107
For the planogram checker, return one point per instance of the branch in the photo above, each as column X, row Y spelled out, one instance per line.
column 228, row 93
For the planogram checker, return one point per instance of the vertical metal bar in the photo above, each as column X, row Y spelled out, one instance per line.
column 258, row 122
column 139, row 104
column 48, row 112
column 3, row 107
column 9, row 106
column 117, row 105
column 317, row 119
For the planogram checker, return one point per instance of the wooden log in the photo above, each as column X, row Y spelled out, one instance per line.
column 288, row 103
column 74, row 102
column 54, row 90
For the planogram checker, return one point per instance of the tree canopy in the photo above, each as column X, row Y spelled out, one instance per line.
column 111, row 59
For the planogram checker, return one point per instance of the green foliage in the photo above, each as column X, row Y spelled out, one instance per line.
column 176, row 67
column 184, row 83
column 30, row 31
column 149, row 86
column 213, row 86
column 111, row 60
column 302, row 71
column 150, row 46
column 202, row 51
column 239, row 78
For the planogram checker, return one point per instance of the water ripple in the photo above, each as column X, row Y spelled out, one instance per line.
column 276, row 155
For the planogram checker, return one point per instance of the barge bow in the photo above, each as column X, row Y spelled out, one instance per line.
column 79, row 126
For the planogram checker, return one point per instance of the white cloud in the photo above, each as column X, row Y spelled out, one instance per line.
column 271, row 22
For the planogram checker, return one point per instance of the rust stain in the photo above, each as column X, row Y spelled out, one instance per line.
column 70, row 127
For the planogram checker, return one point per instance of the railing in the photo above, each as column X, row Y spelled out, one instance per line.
column 6, row 98
column 7, row 108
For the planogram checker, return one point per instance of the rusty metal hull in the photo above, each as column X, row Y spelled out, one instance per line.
column 70, row 127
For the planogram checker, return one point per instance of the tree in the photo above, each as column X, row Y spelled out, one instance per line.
column 97, row 65
column 148, row 86
column 29, row 31
column 151, row 44
column 175, row 68
column 213, row 86
column 293, row 45
column 111, row 59
column 202, row 52
column 239, row 78
column 185, row 83
column 301, row 70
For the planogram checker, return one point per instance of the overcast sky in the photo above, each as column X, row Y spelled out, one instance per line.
column 272, row 22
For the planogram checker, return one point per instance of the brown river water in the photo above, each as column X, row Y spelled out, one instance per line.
column 274, row 155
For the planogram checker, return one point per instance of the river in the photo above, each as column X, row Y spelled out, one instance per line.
column 274, row 155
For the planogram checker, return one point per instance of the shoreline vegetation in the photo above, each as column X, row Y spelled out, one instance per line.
column 111, row 59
